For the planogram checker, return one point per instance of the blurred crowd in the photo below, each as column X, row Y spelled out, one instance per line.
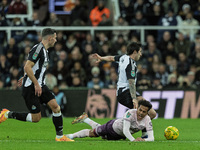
column 171, row 58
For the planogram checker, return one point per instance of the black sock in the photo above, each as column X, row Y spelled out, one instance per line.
column 58, row 123
column 144, row 130
column 17, row 115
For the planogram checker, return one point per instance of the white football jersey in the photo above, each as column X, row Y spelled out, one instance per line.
column 136, row 125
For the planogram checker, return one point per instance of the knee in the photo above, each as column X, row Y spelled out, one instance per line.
column 36, row 117
column 92, row 133
column 56, row 108
column 152, row 114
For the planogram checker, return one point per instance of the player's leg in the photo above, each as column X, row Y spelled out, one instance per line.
column 81, row 134
column 48, row 98
column 85, row 119
column 32, row 103
column 57, row 120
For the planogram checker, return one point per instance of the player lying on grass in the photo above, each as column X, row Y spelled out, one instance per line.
column 133, row 121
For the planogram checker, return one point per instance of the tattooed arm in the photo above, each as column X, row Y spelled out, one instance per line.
column 132, row 89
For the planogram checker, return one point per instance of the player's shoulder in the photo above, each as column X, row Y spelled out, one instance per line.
column 37, row 48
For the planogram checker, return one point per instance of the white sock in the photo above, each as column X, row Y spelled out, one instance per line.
column 57, row 114
column 6, row 114
column 92, row 123
column 81, row 134
column 29, row 117
column 59, row 136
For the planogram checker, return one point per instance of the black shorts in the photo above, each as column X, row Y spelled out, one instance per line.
column 32, row 101
column 125, row 98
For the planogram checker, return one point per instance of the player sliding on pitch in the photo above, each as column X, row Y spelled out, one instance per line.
column 133, row 121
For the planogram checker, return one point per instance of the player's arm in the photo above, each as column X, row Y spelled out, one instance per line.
column 126, row 131
column 132, row 89
column 103, row 58
column 150, row 136
column 28, row 69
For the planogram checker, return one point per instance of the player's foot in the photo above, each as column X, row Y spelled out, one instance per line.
column 64, row 138
column 80, row 119
column 69, row 136
column 2, row 115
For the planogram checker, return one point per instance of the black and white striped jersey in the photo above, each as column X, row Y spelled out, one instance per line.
column 39, row 55
column 127, row 70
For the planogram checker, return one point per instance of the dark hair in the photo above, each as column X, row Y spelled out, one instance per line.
column 145, row 103
column 48, row 31
column 133, row 47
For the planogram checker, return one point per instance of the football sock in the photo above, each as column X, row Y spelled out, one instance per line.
column 80, row 134
column 58, row 123
column 17, row 115
column 92, row 123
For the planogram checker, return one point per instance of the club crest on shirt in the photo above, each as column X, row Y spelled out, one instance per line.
column 132, row 73
column 35, row 55
column 128, row 115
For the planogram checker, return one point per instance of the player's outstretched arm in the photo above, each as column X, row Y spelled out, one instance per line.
column 102, row 58
column 126, row 131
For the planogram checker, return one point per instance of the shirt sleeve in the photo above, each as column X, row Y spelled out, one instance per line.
column 150, row 136
column 117, row 57
column 33, row 55
column 126, row 130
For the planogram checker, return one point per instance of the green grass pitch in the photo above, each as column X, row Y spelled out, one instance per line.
column 16, row 135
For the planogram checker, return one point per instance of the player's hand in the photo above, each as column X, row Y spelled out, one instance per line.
column 19, row 83
column 99, row 59
column 135, row 104
column 139, row 139
column 38, row 90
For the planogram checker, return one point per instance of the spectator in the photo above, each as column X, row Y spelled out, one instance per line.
column 106, row 22
column 120, row 22
column 61, row 38
column 140, row 6
column 54, row 20
column 70, row 43
column 169, row 19
column 126, row 9
column 162, row 45
column 138, row 20
column 116, row 45
column 54, row 55
column 162, row 74
column 97, row 12
column 171, row 5
column 12, row 46
column 112, row 82
column 172, row 82
column 88, row 50
column 183, row 64
column 189, row 21
column 24, row 55
column 12, row 59
column 89, row 40
column 76, row 82
column 186, row 8
column 78, row 15
column 190, row 79
column 60, row 98
column 14, row 84
column 95, row 83
column 18, row 35
column 4, row 7
column 78, row 71
column 60, row 71
column 33, row 35
column 3, row 23
column 17, row 7
column 156, row 84
column 152, row 50
column 182, row 45
column 1, row 84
